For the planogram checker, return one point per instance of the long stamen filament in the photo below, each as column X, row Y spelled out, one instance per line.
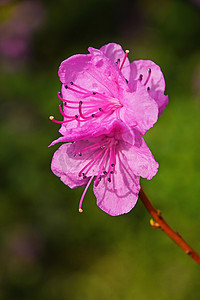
column 148, row 77
column 125, row 56
column 83, row 195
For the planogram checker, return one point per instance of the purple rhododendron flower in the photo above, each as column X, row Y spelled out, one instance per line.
column 103, row 86
column 115, row 161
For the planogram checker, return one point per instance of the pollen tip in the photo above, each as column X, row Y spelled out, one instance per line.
column 127, row 51
column 51, row 118
column 80, row 210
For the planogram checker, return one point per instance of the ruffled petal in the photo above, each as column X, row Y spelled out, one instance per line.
column 139, row 110
column 120, row 195
column 67, row 167
column 139, row 157
column 115, row 52
column 108, row 72
column 156, row 81
column 161, row 99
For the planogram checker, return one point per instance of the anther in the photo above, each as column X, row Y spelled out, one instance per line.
column 112, row 165
column 94, row 93
column 76, row 116
column 99, row 178
column 109, row 179
column 102, row 147
column 148, row 88
column 84, row 176
column 93, row 115
column 111, row 172
column 71, row 83
column 80, row 154
column 100, row 109
column 80, row 102
column 126, row 80
column 74, row 155
column 80, row 210
column 104, row 172
column 66, row 86
column 140, row 77
column 60, row 93
column 51, row 118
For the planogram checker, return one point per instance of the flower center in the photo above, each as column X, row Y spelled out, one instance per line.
column 102, row 164
column 92, row 105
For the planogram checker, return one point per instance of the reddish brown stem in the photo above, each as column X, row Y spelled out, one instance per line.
column 161, row 223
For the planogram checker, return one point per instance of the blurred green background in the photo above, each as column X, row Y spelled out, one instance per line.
column 47, row 249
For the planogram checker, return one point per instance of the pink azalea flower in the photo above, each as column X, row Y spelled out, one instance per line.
column 115, row 161
column 102, row 86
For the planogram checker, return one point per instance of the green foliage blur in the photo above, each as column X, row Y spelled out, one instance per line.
column 49, row 251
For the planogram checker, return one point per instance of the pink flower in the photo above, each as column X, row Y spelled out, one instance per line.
column 115, row 161
column 103, row 86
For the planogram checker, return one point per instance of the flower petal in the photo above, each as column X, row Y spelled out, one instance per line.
column 67, row 167
column 161, row 99
column 156, row 81
column 114, row 52
column 139, row 157
column 139, row 109
column 120, row 195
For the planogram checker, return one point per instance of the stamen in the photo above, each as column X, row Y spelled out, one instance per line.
column 102, row 105
column 101, row 168
column 64, row 100
column 59, row 122
column 93, row 147
column 118, row 62
column 148, row 77
column 80, row 112
column 90, row 164
column 62, row 112
column 125, row 56
column 83, row 195
column 140, row 77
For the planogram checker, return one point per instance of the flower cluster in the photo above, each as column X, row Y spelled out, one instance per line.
column 107, row 104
